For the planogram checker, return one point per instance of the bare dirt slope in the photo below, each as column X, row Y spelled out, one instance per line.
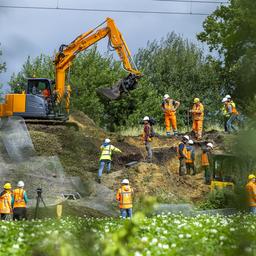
column 78, row 149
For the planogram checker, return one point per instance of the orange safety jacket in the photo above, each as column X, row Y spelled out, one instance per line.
column 169, row 107
column 189, row 159
column 18, row 195
column 204, row 159
column 198, row 111
column 251, row 192
column 147, row 133
column 124, row 196
column 184, row 151
column 233, row 107
column 5, row 202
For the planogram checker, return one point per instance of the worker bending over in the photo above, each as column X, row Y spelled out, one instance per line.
column 198, row 118
column 169, row 107
column 251, row 193
column 5, row 202
column 205, row 163
column 106, row 157
column 124, row 197
column 147, row 137
column 19, row 202
column 190, row 161
column 182, row 155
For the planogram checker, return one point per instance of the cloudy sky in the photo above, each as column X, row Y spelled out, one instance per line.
column 32, row 32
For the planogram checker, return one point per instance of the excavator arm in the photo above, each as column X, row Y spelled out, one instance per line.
column 67, row 53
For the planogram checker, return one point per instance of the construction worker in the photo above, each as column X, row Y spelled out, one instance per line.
column 106, row 157
column 147, row 137
column 205, row 163
column 232, row 114
column 19, row 202
column 198, row 117
column 169, row 107
column 225, row 113
column 251, row 193
column 182, row 155
column 190, row 161
column 124, row 197
column 6, row 202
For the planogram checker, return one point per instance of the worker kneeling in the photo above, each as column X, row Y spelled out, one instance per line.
column 19, row 202
column 124, row 196
column 106, row 157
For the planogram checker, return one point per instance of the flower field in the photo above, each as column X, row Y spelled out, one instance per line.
column 157, row 235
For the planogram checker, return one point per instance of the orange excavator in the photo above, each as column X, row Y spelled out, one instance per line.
column 48, row 99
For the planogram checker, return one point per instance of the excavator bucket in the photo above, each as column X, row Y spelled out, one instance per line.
column 122, row 87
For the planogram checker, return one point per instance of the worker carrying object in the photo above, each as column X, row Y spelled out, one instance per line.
column 106, row 157
column 169, row 107
column 19, row 202
column 251, row 193
column 232, row 114
column 205, row 162
column 124, row 197
column 6, row 202
column 198, row 118
column 190, row 161
column 182, row 155
column 148, row 135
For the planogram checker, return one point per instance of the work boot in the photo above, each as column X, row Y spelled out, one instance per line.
column 175, row 133
column 99, row 180
column 168, row 134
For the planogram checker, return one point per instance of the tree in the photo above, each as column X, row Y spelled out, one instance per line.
column 230, row 30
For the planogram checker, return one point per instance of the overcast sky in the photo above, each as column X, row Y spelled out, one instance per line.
column 32, row 32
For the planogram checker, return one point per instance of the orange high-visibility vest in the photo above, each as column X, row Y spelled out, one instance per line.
column 251, row 191
column 189, row 157
column 204, row 159
column 18, row 195
column 233, row 106
column 198, row 107
column 169, row 107
column 184, row 151
column 5, row 203
column 124, row 196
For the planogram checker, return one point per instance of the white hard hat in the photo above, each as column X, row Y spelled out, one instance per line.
column 228, row 96
column 166, row 96
column 146, row 118
column 191, row 142
column 224, row 100
column 186, row 137
column 125, row 181
column 107, row 141
column 20, row 184
column 209, row 145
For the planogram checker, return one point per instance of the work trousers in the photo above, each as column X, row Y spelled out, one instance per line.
column 126, row 213
column 198, row 128
column 20, row 213
column 170, row 120
column 230, row 126
column 182, row 168
column 102, row 164
column 149, row 150
column 191, row 167
column 207, row 174
column 6, row 216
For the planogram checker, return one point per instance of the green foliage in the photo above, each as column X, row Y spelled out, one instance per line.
column 172, row 65
column 231, row 31
column 2, row 64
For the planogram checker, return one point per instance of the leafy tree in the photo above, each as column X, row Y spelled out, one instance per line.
column 2, row 64
column 230, row 30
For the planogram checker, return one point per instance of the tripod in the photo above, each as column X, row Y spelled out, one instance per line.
column 38, row 199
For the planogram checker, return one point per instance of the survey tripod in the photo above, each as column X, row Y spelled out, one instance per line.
column 38, row 199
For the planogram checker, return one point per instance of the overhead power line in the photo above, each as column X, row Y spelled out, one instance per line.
column 104, row 10
column 194, row 1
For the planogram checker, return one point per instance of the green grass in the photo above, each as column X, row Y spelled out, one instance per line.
column 158, row 235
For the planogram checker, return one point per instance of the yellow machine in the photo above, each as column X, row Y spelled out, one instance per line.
column 47, row 99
